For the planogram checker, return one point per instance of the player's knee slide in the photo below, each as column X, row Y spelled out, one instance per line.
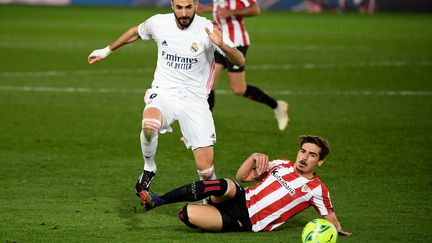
column 150, row 127
column 206, row 188
column 184, row 217
column 206, row 173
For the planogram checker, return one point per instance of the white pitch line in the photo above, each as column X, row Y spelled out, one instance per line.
column 53, row 73
column 69, row 89
column 114, row 71
column 219, row 91
column 339, row 65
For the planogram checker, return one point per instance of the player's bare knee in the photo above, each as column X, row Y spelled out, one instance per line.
column 240, row 91
column 150, row 128
column 185, row 216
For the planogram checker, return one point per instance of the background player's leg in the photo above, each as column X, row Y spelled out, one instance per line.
column 240, row 87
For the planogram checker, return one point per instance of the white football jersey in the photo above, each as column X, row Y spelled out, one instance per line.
column 185, row 57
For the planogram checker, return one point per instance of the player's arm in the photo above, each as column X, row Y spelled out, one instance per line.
column 331, row 217
column 128, row 37
column 252, row 167
column 253, row 10
column 234, row 55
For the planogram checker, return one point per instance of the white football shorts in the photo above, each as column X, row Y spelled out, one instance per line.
column 192, row 112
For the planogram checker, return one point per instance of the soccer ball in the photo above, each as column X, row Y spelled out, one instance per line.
column 319, row 231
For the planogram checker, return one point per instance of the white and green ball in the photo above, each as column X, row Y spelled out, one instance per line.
column 319, row 231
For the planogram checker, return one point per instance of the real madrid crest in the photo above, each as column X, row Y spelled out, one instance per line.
column 194, row 47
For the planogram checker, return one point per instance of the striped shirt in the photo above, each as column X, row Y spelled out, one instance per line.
column 282, row 194
column 233, row 25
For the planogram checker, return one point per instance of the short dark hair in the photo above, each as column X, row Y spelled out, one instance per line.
column 320, row 142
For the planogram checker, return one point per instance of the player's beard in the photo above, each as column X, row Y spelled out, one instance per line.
column 182, row 21
column 299, row 167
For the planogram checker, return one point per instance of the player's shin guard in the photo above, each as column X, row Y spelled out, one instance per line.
column 196, row 191
column 183, row 216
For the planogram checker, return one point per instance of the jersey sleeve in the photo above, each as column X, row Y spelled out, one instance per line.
column 145, row 29
column 271, row 165
column 247, row 3
column 278, row 162
column 321, row 200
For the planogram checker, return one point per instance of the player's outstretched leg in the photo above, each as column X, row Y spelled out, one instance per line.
column 189, row 193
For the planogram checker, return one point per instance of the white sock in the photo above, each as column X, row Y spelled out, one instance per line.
column 207, row 174
column 212, row 177
column 149, row 152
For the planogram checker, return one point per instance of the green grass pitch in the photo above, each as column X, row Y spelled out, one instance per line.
column 69, row 147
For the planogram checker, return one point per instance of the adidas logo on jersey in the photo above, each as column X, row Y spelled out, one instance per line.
column 164, row 43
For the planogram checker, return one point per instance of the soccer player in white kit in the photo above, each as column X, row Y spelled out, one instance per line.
column 182, row 80
column 284, row 190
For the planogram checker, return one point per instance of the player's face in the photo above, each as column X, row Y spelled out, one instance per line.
column 184, row 11
column 308, row 159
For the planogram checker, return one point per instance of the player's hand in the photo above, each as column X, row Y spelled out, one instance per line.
column 261, row 162
column 344, row 233
column 98, row 55
column 216, row 35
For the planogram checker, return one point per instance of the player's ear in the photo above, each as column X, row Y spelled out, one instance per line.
column 320, row 162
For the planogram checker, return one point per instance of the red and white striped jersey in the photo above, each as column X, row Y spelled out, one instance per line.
column 282, row 194
column 233, row 25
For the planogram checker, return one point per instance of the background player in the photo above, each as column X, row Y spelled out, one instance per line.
column 230, row 14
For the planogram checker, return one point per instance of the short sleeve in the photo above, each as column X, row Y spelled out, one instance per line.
column 144, row 29
column 278, row 162
column 321, row 201
column 271, row 165
column 247, row 3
